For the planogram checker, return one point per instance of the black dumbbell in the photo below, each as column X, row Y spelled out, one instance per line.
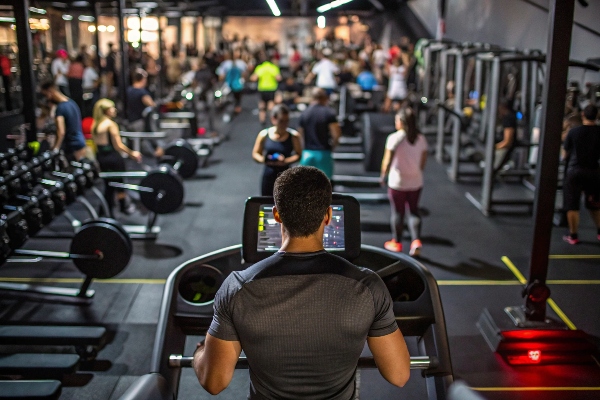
column 54, row 193
column 16, row 227
column 30, row 212
column 44, row 202
column 68, row 187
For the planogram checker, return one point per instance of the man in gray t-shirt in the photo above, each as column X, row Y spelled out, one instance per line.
column 302, row 316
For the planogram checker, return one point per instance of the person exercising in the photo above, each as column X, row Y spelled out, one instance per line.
column 582, row 155
column 105, row 133
column 302, row 316
column 69, row 134
column 277, row 147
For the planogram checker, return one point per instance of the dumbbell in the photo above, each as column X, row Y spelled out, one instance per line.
column 15, row 226
column 31, row 212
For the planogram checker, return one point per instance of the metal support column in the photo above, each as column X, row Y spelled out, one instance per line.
column 478, row 83
column 441, row 112
column 160, row 61
column 456, row 125
column 490, row 142
column 28, row 84
column 560, row 23
column 96, row 11
column 124, row 83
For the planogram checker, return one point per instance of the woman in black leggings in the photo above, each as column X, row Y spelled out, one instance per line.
column 105, row 133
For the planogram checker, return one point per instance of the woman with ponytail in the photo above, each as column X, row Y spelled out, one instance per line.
column 105, row 133
column 403, row 163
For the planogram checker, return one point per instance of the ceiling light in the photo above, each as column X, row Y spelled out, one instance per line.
column 110, row 28
column 92, row 28
column 333, row 4
column 67, row 17
column 274, row 8
column 80, row 3
column 7, row 19
column 101, row 28
column 86, row 18
column 37, row 10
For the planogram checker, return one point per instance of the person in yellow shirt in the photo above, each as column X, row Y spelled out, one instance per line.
column 268, row 76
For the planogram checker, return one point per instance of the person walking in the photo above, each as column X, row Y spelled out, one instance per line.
column 582, row 155
column 277, row 147
column 321, row 132
column 403, row 163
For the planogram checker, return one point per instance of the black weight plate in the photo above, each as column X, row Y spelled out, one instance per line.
column 168, row 191
column 116, row 224
column 181, row 151
column 101, row 237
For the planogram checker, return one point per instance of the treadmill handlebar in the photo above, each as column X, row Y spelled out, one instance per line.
column 420, row 362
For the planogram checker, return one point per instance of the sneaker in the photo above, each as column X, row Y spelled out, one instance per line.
column 415, row 248
column 392, row 245
column 570, row 240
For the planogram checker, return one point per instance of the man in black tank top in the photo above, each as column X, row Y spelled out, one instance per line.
column 302, row 316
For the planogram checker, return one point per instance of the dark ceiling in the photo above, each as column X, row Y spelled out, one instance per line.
column 227, row 7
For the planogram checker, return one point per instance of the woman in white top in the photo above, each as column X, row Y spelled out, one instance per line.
column 403, row 163
column 397, row 90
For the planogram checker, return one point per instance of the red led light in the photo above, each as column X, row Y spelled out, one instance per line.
column 534, row 355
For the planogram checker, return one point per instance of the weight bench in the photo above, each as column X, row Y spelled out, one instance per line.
column 136, row 137
column 38, row 366
column 87, row 340
column 30, row 390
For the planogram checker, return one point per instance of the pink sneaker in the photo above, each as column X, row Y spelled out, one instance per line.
column 415, row 248
column 570, row 240
column 392, row 245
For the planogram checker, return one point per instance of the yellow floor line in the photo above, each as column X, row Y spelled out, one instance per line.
column 551, row 302
column 467, row 282
column 573, row 256
column 514, row 270
column 561, row 314
column 535, row 388
column 79, row 280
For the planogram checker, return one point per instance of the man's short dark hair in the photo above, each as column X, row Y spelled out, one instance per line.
column 47, row 85
column 590, row 112
column 139, row 75
column 302, row 197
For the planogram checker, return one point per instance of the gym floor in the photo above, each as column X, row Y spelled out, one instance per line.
column 479, row 263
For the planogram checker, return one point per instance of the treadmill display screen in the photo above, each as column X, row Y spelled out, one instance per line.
column 269, row 231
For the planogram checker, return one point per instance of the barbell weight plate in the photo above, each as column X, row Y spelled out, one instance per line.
column 182, row 152
column 116, row 224
column 168, row 192
column 100, row 237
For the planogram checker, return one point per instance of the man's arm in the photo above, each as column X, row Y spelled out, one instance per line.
column 60, row 131
column 509, row 134
column 148, row 102
column 391, row 356
column 214, row 363
column 335, row 131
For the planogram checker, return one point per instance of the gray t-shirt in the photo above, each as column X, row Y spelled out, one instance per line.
column 302, row 320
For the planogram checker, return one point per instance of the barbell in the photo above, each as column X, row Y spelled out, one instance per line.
column 100, row 249
column 418, row 362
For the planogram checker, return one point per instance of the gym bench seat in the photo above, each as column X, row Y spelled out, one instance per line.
column 40, row 366
column 30, row 390
column 53, row 335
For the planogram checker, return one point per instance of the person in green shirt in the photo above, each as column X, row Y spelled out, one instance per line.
column 268, row 76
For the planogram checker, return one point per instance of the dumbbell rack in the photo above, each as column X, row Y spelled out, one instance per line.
column 23, row 174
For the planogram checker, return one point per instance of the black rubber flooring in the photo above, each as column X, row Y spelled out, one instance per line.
column 467, row 252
